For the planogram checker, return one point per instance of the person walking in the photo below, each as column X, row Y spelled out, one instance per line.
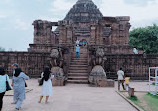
column 47, row 89
column 120, row 75
column 3, row 78
column 14, row 66
column 19, row 87
column 77, row 51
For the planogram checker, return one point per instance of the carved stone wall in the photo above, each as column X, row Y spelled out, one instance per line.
column 32, row 63
column 134, row 66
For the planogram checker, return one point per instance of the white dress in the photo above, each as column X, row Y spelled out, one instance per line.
column 47, row 89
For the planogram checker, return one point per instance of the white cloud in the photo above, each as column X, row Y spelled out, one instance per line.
column 3, row 14
column 49, row 19
column 138, row 2
column 61, row 6
column 22, row 25
column 7, row 1
column 137, row 14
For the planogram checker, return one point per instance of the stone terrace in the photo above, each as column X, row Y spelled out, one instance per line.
column 73, row 97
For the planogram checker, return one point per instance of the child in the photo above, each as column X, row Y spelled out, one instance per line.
column 127, row 82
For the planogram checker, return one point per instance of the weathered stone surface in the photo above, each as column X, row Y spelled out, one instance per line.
column 59, row 78
column 57, row 72
column 98, row 78
column 58, row 82
column 54, row 53
column 98, row 71
column 100, row 81
column 84, row 21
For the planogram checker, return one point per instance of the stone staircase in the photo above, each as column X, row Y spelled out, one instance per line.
column 78, row 70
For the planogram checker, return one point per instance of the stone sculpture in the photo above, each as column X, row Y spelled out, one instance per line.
column 97, row 76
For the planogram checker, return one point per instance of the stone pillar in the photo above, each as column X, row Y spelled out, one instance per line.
column 115, row 34
column 62, row 34
column 93, row 35
column 69, row 35
column 42, row 32
column 124, row 27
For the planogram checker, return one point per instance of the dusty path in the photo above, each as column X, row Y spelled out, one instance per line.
column 71, row 98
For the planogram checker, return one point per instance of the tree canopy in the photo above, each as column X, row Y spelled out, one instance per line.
column 145, row 39
column 2, row 49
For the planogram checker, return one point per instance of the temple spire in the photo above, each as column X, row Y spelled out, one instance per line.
column 84, row 11
column 84, row 1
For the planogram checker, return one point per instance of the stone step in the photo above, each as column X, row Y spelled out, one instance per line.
column 78, row 81
column 78, row 65
column 77, row 74
column 82, row 55
column 77, row 78
column 85, row 58
column 79, row 60
column 81, row 52
column 78, row 68
column 78, row 71
column 75, row 61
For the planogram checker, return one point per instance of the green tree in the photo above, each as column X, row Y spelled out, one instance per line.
column 2, row 49
column 145, row 39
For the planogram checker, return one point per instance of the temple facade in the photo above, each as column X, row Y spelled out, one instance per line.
column 84, row 21
column 107, row 49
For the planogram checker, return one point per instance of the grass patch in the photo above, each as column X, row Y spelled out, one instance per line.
column 134, row 99
column 152, row 101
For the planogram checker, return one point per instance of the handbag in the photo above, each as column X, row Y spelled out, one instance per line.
column 41, row 82
column 7, row 85
column 25, row 84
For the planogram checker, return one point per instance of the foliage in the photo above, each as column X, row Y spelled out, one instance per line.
column 145, row 39
column 2, row 49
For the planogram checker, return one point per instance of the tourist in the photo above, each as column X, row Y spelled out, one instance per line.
column 120, row 75
column 14, row 66
column 127, row 82
column 81, row 43
column 84, row 43
column 3, row 78
column 47, row 84
column 77, row 42
column 77, row 51
column 19, row 87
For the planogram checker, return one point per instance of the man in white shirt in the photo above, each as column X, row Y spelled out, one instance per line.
column 77, row 42
column 120, row 75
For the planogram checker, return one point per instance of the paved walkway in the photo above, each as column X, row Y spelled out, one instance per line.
column 71, row 98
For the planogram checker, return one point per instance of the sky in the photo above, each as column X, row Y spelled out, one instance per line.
column 17, row 16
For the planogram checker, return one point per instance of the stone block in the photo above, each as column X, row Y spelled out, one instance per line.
column 131, row 92
column 58, row 82
column 99, row 81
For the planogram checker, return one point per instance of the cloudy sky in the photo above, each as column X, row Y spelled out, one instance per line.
column 16, row 16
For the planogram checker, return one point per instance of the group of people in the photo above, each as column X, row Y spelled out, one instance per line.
column 81, row 43
column 122, row 79
column 18, row 85
column 78, row 44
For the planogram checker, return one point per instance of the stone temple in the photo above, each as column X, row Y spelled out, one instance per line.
column 107, row 49
column 84, row 21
